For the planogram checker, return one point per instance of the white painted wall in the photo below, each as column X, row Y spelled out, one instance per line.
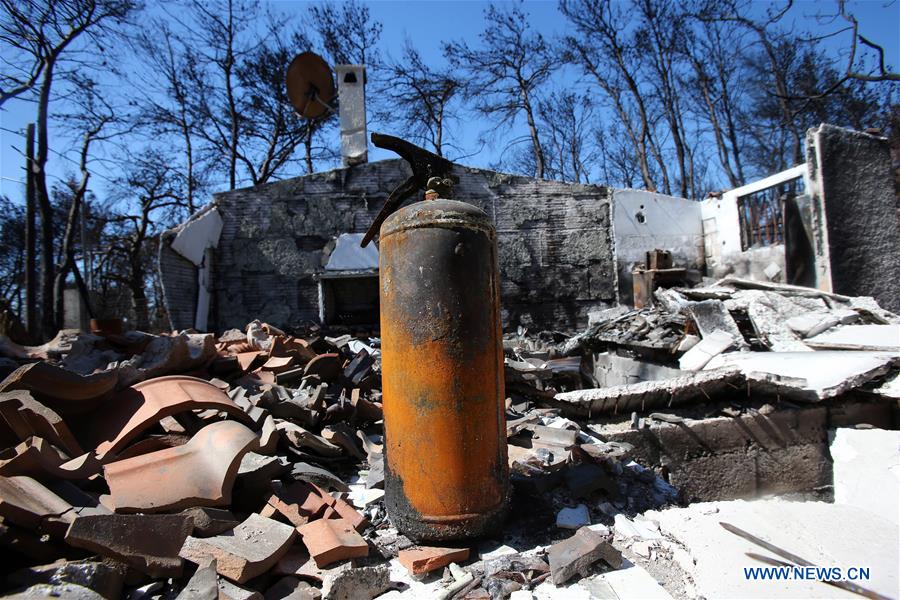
column 646, row 220
column 722, row 233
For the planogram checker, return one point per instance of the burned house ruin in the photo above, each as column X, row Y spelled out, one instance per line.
column 565, row 249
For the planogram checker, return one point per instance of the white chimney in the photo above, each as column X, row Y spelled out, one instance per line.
column 352, row 100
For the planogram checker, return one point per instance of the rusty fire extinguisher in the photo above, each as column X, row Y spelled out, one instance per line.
column 446, row 470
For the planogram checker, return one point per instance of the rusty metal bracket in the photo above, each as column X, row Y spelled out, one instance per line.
column 431, row 172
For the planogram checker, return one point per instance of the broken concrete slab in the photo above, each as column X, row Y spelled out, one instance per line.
column 104, row 579
column 631, row 581
column 149, row 543
column 858, row 337
column 808, row 375
column 199, row 473
column 141, row 406
column 623, row 399
column 331, row 540
column 806, row 529
column 814, row 323
column 577, row 553
column 700, row 354
column 423, row 559
column 711, row 316
column 70, row 591
column 637, row 528
column 769, row 313
column 248, row 550
column 865, row 470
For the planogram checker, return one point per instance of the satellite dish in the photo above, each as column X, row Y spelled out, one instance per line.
column 310, row 85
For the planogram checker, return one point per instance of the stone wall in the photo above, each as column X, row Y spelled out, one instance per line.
column 556, row 247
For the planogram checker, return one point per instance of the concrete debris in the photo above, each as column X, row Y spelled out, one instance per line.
column 258, row 455
column 807, row 376
column 362, row 583
column 699, row 355
column 858, row 337
column 712, row 316
column 752, row 336
column 202, row 585
column 865, row 470
column 805, row 529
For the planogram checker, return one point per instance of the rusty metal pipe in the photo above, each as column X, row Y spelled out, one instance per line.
column 446, row 470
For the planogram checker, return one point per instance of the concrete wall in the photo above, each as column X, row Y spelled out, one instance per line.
column 852, row 185
column 556, row 247
column 722, row 234
column 647, row 220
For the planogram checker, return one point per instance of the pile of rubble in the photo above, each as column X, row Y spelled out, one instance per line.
column 770, row 340
column 250, row 465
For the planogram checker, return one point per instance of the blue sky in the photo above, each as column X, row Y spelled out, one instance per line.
column 427, row 24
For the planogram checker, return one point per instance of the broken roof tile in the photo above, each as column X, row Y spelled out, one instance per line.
column 149, row 543
column 578, row 552
column 136, row 409
column 63, row 390
column 248, row 550
column 331, row 540
column 199, row 473
column 26, row 502
column 424, row 559
column 247, row 359
column 39, row 458
column 327, row 366
column 27, row 417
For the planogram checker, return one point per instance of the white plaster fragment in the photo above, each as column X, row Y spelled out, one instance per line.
column 197, row 235
column 573, row 518
column 698, row 356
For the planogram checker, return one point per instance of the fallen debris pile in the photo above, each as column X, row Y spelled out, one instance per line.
column 770, row 340
column 251, row 465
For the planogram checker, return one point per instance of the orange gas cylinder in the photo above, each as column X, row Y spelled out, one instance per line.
column 446, row 471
